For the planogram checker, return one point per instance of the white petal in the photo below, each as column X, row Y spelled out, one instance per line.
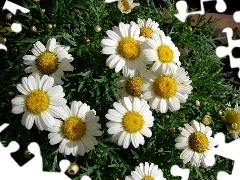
column 27, row 120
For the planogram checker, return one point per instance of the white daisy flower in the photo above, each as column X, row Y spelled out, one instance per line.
column 195, row 140
column 125, row 6
column 166, row 89
column 162, row 51
column 232, row 120
column 123, row 46
column 147, row 27
column 41, row 101
column 130, row 86
column 77, row 131
column 146, row 172
column 51, row 60
column 130, row 121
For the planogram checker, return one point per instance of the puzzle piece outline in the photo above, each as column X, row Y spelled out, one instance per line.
column 223, row 51
column 33, row 168
column 182, row 8
column 228, row 151
column 16, row 27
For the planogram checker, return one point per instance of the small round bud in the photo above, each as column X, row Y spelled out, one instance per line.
column 54, row 25
column 220, row 113
column 73, row 169
column 171, row 130
column 97, row 28
column 8, row 16
column 33, row 28
column 35, row 1
column 87, row 40
column 43, row 10
column 206, row 120
column 27, row 154
column 197, row 103
column 49, row 26
column 167, row 116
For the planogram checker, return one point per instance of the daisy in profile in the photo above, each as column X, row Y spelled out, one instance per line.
column 162, row 51
column 166, row 89
column 40, row 101
column 123, row 46
column 125, row 6
column 130, row 86
column 195, row 140
column 129, row 121
column 51, row 60
column 147, row 27
column 146, row 172
column 77, row 131
column 232, row 121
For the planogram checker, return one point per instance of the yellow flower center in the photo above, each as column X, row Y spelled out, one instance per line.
column 165, row 53
column 132, row 122
column 133, row 86
column 165, row 87
column 126, row 5
column 129, row 48
column 198, row 142
column 146, row 32
column 232, row 120
column 37, row 101
column 47, row 62
column 73, row 128
column 147, row 178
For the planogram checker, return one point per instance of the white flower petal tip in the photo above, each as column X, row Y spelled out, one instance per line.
column 146, row 171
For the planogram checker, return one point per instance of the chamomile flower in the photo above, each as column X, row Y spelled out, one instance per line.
column 41, row 102
column 195, row 140
column 51, row 60
column 166, row 89
column 129, row 121
column 125, row 6
column 147, row 27
column 162, row 51
column 146, row 172
column 130, row 86
column 123, row 46
column 232, row 120
column 77, row 131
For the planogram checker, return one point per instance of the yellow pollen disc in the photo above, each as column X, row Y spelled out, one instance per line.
column 73, row 128
column 165, row 87
column 147, row 178
column 37, row 101
column 146, row 32
column 232, row 120
column 133, row 86
column 132, row 122
column 165, row 53
column 126, row 5
column 47, row 62
column 198, row 142
column 129, row 48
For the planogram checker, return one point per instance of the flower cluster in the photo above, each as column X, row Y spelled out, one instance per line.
column 151, row 78
column 43, row 102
